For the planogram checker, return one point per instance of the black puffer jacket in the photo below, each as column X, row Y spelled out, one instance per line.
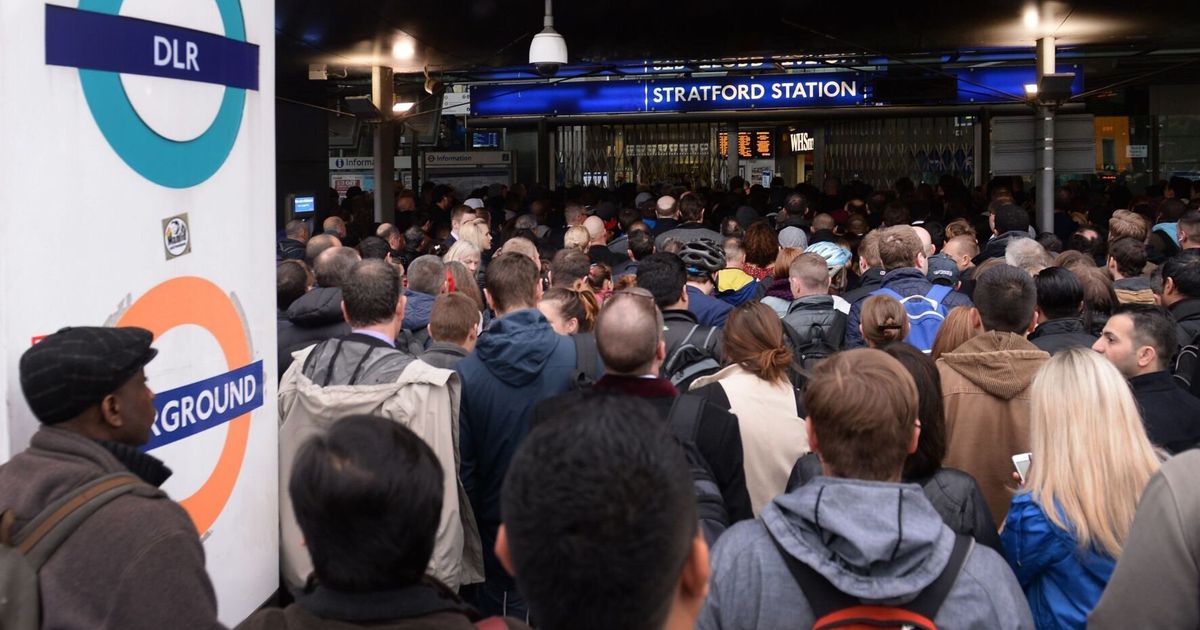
column 812, row 316
column 313, row 318
column 1059, row 334
column 998, row 246
column 1187, row 320
column 954, row 494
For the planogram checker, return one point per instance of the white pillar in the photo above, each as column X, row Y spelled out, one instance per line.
column 383, row 95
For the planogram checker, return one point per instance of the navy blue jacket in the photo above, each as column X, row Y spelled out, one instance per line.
column 906, row 281
column 417, row 310
column 518, row 361
column 709, row 311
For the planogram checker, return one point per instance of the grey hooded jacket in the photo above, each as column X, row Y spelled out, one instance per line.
column 881, row 542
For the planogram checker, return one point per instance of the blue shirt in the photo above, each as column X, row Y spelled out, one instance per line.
column 709, row 311
column 1062, row 582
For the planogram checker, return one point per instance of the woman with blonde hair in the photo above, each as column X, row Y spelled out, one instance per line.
column 1090, row 462
column 883, row 321
column 465, row 252
column 577, row 237
column 477, row 233
column 755, row 386
column 954, row 332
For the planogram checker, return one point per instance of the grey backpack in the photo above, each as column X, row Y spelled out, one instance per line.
column 22, row 554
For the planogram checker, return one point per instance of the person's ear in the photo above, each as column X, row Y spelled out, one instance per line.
column 1168, row 286
column 916, row 437
column 487, row 296
column 1112, row 265
column 693, row 580
column 537, row 291
column 976, row 319
column 345, row 315
column 683, row 294
column 429, row 331
column 1146, row 356
column 1033, row 322
column 812, row 437
column 502, row 552
column 110, row 411
column 572, row 326
column 400, row 306
column 660, row 351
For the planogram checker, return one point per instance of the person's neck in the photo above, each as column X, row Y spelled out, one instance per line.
column 510, row 311
column 808, row 293
column 678, row 306
column 703, row 287
column 390, row 329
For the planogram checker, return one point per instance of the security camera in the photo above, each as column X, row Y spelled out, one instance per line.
column 548, row 50
column 546, row 70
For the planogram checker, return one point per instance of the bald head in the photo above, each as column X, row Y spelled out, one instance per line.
column 628, row 333
column 297, row 230
column 318, row 244
column 335, row 226
column 926, row 240
column 523, row 246
column 596, row 231
column 333, row 265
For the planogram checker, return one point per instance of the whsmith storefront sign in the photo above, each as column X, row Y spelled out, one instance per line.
column 835, row 89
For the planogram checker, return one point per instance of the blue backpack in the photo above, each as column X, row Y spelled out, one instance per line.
column 925, row 314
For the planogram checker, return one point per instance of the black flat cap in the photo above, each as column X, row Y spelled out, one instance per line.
column 75, row 368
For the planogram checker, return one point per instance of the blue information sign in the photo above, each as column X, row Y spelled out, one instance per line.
column 778, row 91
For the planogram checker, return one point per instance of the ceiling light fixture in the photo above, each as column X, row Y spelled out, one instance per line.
column 401, row 107
column 404, row 48
column 1031, row 18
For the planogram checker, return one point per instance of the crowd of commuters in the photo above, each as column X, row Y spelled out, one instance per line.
column 671, row 407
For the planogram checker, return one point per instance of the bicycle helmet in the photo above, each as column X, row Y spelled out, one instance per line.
column 702, row 257
column 836, row 257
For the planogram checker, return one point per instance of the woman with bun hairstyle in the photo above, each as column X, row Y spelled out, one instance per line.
column 570, row 311
column 883, row 321
column 755, row 385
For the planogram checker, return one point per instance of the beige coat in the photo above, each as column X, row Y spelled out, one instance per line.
column 424, row 399
column 773, row 436
column 985, row 385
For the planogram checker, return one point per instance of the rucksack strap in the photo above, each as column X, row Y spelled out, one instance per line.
column 684, row 416
column 938, row 293
column 586, row 358
column 38, row 540
column 890, row 293
column 824, row 598
column 669, row 362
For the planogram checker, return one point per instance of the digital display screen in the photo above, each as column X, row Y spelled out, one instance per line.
column 485, row 139
column 303, row 205
column 750, row 144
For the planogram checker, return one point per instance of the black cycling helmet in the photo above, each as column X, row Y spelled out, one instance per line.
column 702, row 257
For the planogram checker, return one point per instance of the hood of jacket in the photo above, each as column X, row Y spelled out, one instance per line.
column 881, row 542
column 320, row 307
column 516, row 347
column 1001, row 364
column 417, row 310
column 351, row 360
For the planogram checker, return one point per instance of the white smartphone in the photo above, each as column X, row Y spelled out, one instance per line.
column 1021, row 463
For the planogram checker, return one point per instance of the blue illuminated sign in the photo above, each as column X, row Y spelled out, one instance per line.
column 779, row 91
column 197, row 407
column 102, row 44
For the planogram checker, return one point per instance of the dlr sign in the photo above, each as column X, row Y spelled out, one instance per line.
column 166, row 52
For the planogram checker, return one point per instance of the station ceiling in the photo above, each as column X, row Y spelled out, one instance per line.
column 456, row 39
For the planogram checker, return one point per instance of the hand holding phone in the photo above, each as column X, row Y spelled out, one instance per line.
column 1021, row 463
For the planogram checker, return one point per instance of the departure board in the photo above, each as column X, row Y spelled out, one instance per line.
column 750, row 144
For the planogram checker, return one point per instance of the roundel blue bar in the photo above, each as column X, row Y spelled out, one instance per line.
column 170, row 163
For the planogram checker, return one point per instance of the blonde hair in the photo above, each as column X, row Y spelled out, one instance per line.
column 460, row 251
column 1091, row 457
column 577, row 237
column 476, row 233
column 884, row 321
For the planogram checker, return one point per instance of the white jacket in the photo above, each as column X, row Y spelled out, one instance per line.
column 423, row 398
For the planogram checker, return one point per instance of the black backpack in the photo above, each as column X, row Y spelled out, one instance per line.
column 689, row 360
column 808, row 352
column 684, row 419
column 1187, row 364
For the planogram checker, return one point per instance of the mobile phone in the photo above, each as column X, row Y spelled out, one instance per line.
column 1021, row 463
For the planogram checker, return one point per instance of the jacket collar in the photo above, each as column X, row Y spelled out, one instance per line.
column 637, row 386
column 1186, row 310
column 408, row 602
column 147, row 467
column 679, row 315
column 903, row 273
column 367, row 339
column 1061, row 326
column 445, row 347
column 812, row 302
column 1160, row 381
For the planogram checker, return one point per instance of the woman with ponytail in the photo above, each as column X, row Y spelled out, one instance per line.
column 883, row 321
column 570, row 311
column 756, row 387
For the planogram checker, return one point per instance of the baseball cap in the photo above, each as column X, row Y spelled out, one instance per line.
column 942, row 270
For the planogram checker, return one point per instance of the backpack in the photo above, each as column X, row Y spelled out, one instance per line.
column 1187, row 362
column 835, row 609
column 925, row 314
column 684, row 419
column 414, row 342
column 808, row 352
column 690, row 361
column 22, row 555
column 587, row 358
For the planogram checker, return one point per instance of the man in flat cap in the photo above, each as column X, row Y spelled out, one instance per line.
column 135, row 561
